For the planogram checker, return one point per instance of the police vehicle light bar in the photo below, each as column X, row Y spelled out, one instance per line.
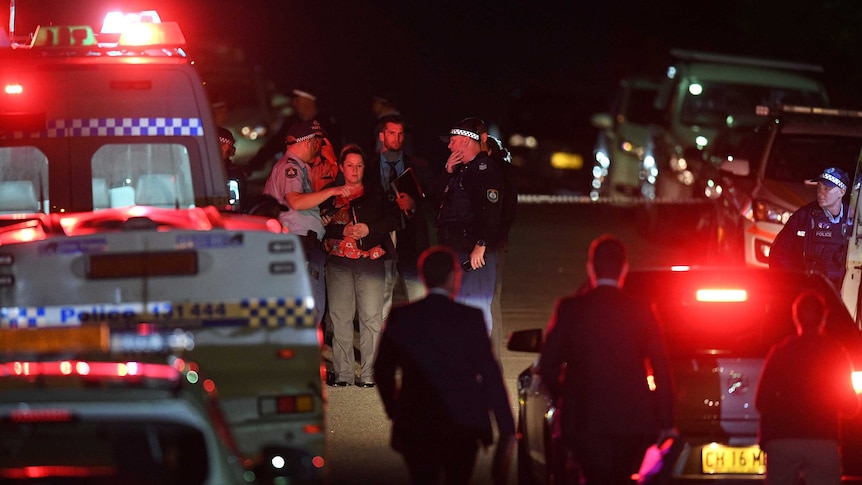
column 762, row 110
column 64, row 36
column 89, row 369
column 92, row 338
column 115, row 21
column 715, row 295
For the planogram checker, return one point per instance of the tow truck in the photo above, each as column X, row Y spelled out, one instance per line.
column 114, row 209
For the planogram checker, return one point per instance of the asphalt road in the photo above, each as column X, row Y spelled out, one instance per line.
column 547, row 259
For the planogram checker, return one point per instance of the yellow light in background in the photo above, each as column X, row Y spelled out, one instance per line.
column 567, row 161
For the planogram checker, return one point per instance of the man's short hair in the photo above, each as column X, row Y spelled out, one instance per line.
column 809, row 308
column 608, row 256
column 381, row 123
column 436, row 264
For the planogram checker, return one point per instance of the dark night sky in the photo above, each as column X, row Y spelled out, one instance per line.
column 449, row 59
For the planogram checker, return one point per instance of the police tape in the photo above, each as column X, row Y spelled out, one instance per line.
column 621, row 201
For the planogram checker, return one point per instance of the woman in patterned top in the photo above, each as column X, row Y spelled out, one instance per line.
column 357, row 242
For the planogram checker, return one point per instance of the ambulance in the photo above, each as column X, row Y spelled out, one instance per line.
column 114, row 209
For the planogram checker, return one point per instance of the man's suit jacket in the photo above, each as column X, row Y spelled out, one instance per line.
column 594, row 360
column 415, row 237
column 450, row 380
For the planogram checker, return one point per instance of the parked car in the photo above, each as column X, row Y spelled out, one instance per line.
column 623, row 135
column 702, row 95
column 766, row 178
column 73, row 412
column 718, row 325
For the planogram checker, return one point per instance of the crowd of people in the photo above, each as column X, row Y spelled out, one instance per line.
column 366, row 210
column 411, row 253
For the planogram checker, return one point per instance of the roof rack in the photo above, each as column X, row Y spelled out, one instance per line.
column 687, row 55
column 780, row 109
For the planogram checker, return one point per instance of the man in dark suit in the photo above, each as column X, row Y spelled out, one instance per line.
column 594, row 360
column 449, row 382
column 413, row 207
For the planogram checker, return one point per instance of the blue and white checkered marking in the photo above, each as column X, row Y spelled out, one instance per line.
column 23, row 317
column 277, row 312
column 85, row 127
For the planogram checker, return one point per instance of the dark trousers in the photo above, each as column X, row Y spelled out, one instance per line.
column 451, row 464
column 609, row 459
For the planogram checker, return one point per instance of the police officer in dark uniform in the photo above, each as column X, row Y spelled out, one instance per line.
column 237, row 181
column 469, row 218
column 816, row 235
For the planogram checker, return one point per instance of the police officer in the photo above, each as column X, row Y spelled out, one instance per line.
column 469, row 218
column 236, row 178
column 816, row 235
column 290, row 184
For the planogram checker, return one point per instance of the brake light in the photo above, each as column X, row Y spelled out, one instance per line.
column 13, row 89
column 286, row 404
column 721, row 295
column 857, row 381
column 57, row 471
column 88, row 369
column 40, row 415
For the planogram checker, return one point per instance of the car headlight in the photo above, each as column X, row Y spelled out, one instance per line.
column 768, row 212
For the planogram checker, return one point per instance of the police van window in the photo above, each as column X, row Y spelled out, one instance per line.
column 23, row 180
column 154, row 174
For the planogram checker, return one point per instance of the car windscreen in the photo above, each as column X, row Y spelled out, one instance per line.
column 101, row 451
column 723, row 104
column 798, row 157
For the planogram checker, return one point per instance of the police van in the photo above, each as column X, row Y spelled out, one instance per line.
column 113, row 204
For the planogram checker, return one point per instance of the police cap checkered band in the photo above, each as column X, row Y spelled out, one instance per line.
column 225, row 136
column 835, row 177
column 303, row 130
column 468, row 134
column 470, row 127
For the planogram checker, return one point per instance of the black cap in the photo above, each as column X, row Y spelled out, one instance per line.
column 225, row 136
column 303, row 130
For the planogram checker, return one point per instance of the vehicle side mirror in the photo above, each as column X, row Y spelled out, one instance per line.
column 602, row 121
column 740, row 168
column 525, row 340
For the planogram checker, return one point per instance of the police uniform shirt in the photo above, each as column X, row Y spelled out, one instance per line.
column 472, row 200
column 290, row 174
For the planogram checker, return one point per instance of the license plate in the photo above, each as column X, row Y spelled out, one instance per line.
column 717, row 458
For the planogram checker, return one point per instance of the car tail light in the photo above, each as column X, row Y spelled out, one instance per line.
column 286, row 404
column 857, row 381
column 40, row 415
column 722, row 295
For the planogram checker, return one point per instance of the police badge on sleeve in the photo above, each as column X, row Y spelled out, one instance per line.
column 291, row 172
column 493, row 195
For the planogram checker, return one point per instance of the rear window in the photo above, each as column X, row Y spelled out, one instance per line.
column 746, row 329
column 23, row 179
column 155, row 174
column 99, row 452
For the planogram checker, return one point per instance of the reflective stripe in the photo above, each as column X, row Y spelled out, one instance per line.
column 253, row 312
column 79, row 127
